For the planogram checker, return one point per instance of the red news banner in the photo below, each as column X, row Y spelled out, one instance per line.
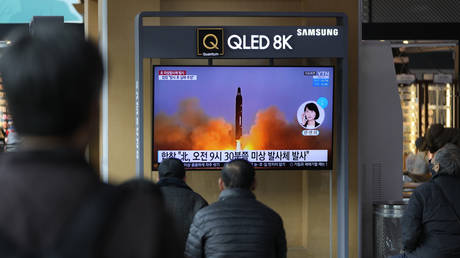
column 176, row 75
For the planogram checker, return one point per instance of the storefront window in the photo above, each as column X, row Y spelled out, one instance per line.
column 3, row 117
column 427, row 90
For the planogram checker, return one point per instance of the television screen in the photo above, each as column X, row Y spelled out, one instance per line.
column 275, row 117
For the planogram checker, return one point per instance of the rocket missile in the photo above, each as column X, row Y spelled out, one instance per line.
column 238, row 115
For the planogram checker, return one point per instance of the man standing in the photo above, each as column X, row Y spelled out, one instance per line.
column 180, row 200
column 237, row 225
column 51, row 201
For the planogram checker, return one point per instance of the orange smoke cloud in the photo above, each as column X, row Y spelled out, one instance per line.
column 216, row 134
column 190, row 114
column 271, row 131
column 190, row 128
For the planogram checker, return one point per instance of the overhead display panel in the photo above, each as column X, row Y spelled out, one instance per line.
column 243, row 42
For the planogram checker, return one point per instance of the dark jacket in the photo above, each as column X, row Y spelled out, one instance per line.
column 236, row 226
column 41, row 191
column 182, row 202
column 430, row 228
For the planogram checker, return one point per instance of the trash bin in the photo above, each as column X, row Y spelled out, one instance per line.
column 387, row 228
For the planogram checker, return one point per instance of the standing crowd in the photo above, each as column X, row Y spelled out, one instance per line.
column 53, row 203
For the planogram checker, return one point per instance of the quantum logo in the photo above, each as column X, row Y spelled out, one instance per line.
column 210, row 44
column 209, row 41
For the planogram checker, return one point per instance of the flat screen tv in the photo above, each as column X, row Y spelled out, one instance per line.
column 275, row 117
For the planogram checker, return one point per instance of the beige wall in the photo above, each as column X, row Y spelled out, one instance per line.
column 300, row 197
column 91, row 22
column 121, row 156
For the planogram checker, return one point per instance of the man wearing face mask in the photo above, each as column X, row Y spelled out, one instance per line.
column 431, row 225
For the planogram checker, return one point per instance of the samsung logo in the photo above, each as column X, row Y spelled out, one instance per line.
column 317, row 32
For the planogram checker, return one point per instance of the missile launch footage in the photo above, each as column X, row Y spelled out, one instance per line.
column 238, row 118
column 285, row 121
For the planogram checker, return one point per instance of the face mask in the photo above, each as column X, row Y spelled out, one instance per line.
column 430, row 168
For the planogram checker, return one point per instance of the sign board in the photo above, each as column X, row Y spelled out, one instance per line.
column 428, row 76
column 243, row 42
column 442, row 78
column 404, row 78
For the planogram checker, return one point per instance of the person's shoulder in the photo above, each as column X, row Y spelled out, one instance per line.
column 425, row 185
column 269, row 211
column 173, row 189
column 212, row 211
column 139, row 192
column 183, row 191
column 139, row 221
column 251, row 206
column 140, row 204
column 204, row 215
column 424, row 190
column 209, row 209
column 198, row 198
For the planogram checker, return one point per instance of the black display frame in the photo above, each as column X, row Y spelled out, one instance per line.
column 330, row 162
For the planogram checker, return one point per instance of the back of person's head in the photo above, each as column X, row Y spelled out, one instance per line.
column 447, row 159
column 171, row 167
column 437, row 136
column 238, row 173
column 420, row 164
column 410, row 159
column 141, row 186
column 52, row 79
column 420, row 144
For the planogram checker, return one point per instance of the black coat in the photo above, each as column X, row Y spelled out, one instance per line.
column 236, row 226
column 41, row 191
column 182, row 202
column 430, row 228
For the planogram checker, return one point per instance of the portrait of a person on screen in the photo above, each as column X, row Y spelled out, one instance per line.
column 311, row 115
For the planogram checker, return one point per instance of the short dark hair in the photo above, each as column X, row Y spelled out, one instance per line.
column 141, row 186
column 51, row 78
column 238, row 173
column 420, row 144
column 448, row 158
column 171, row 167
column 437, row 136
column 312, row 107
